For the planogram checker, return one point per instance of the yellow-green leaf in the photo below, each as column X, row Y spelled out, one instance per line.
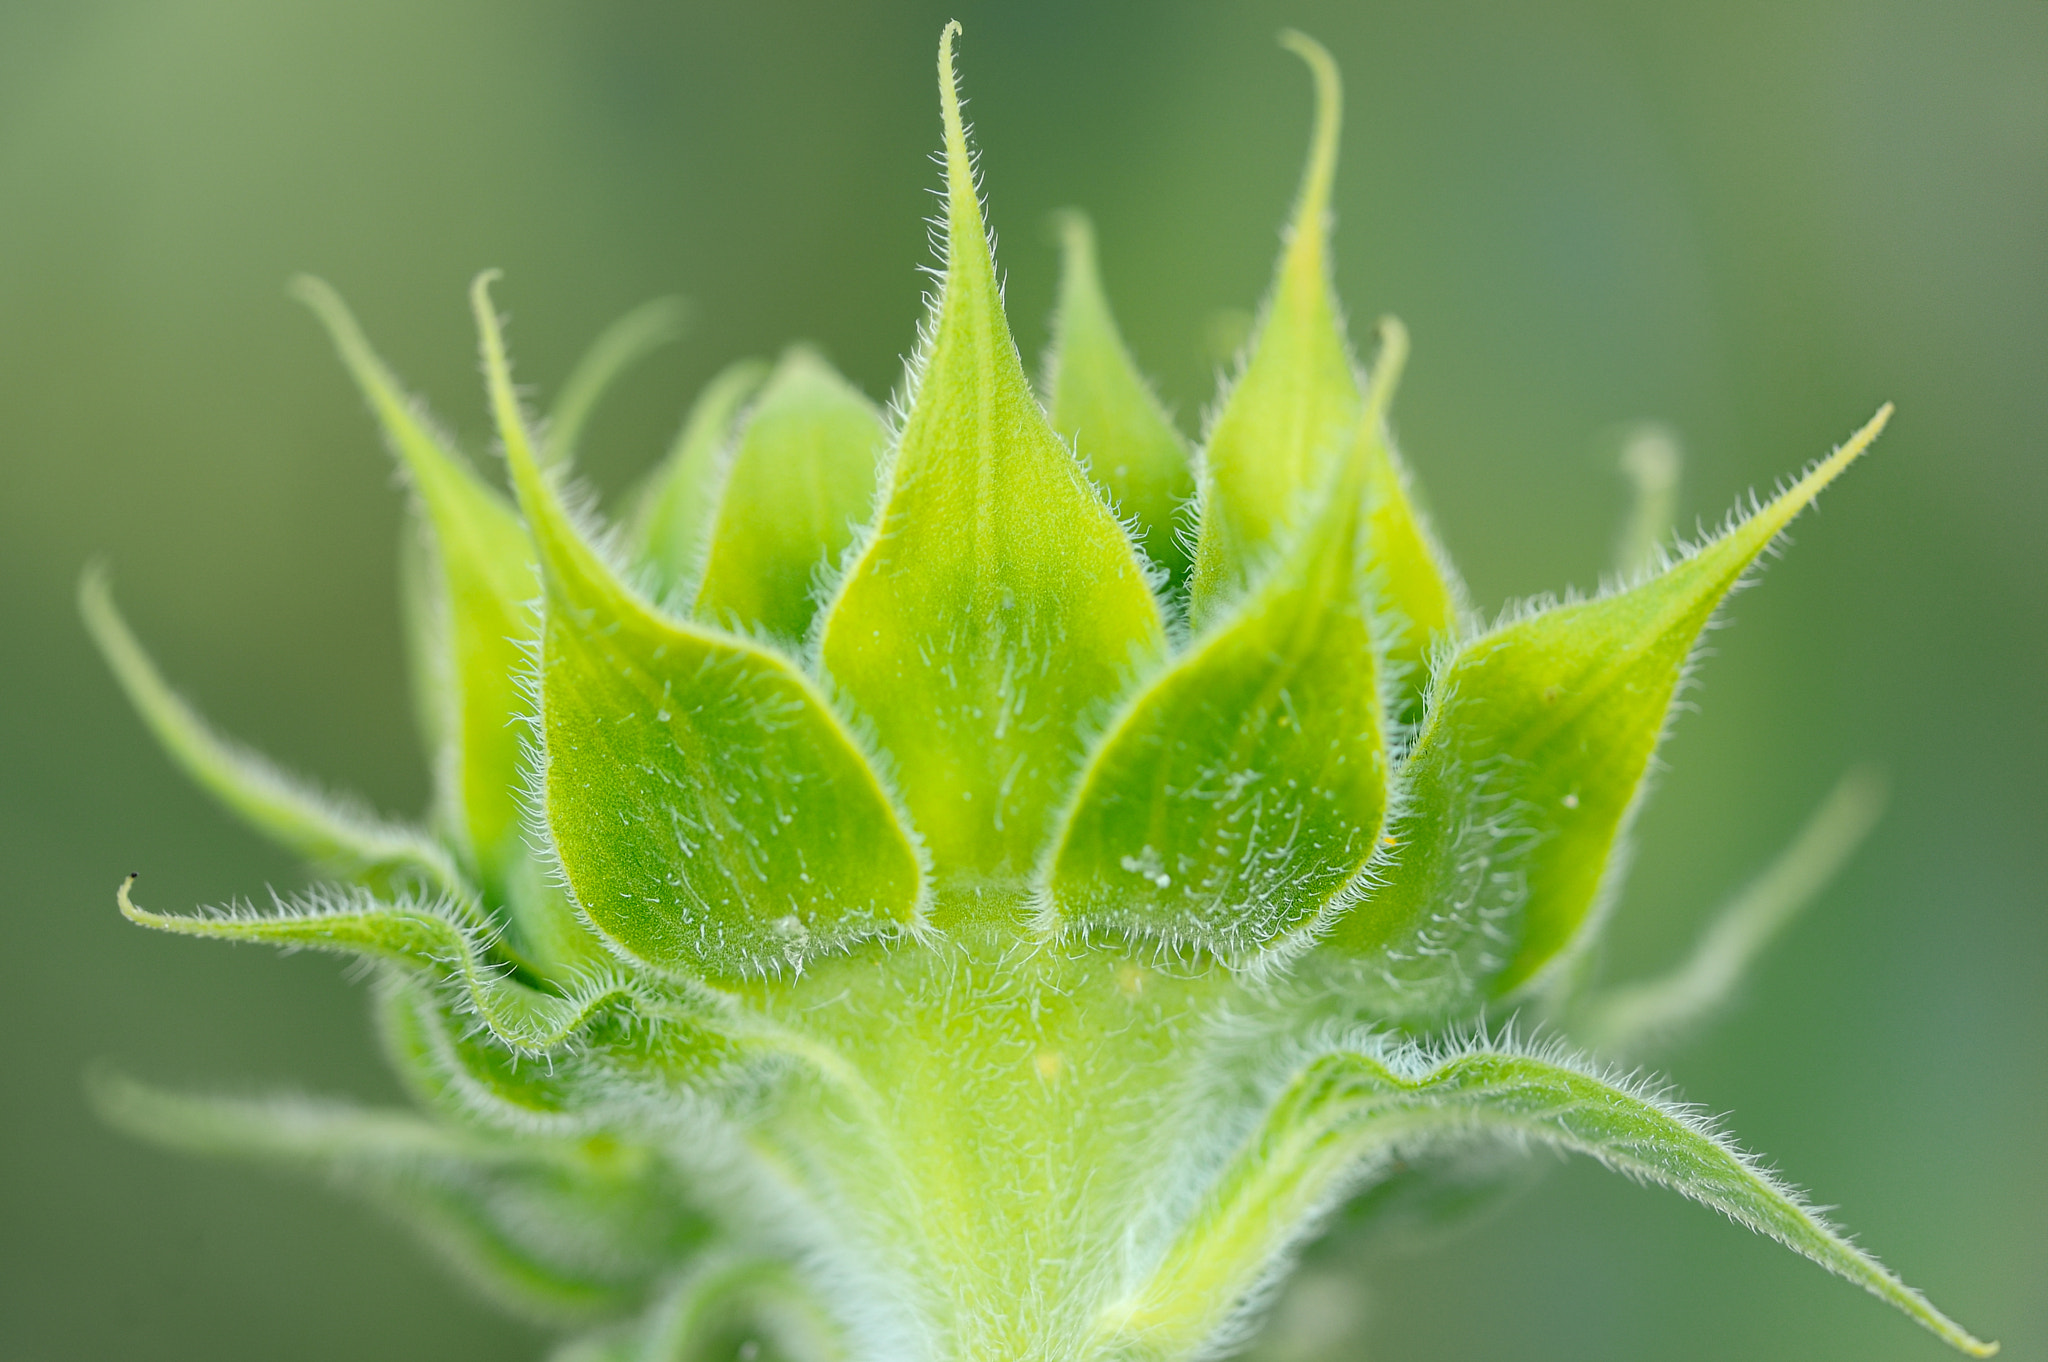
column 466, row 1073
column 480, row 622
column 328, row 832
column 998, row 604
column 1297, row 399
column 617, row 348
column 1242, row 792
column 622, row 1044
column 1102, row 404
column 673, row 516
column 798, row 487
column 711, row 812
column 439, row 941
column 1631, row 1018
column 1352, row 1111
column 1413, row 579
column 556, row 1229
column 1293, row 407
column 1529, row 762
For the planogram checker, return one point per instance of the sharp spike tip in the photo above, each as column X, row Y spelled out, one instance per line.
column 959, row 165
column 1321, row 173
column 1388, row 366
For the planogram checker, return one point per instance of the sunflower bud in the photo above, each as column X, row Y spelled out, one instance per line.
column 981, row 882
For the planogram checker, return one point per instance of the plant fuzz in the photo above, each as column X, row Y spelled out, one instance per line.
column 984, row 882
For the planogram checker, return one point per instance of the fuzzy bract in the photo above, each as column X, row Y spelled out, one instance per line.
column 983, row 881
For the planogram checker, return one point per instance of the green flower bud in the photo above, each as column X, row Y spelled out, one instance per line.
column 985, row 882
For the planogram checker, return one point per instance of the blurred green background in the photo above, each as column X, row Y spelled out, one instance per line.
column 1753, row 221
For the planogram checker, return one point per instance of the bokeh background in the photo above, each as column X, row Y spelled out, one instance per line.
column 1751, row 220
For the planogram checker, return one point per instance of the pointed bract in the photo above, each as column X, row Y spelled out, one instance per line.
column 1628, row 1018
column 555, row 1230
column 1416, row 585
column 331, row 835
column 468, row 1075
column 1344, row 1103
column 711, row 813
column 1297, row 400
column 1294, row 406
column 617, row 348
column 433, row 940
column 978, row 968
column 672, row 516
column 485, row 581
column 998, row 604
column 423, row 614
column 1243, row 790
column 1103, row 405
column 800, row 483
column 1528, row 765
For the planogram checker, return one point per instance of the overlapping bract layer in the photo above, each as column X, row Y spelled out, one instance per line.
column 845, row 681
column 1001, row 689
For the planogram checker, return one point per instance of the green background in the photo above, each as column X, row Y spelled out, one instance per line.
column 1754, row 221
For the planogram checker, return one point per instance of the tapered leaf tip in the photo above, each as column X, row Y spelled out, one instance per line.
column 320, row 298
column 325, row 302
column 116, row 641
column 489, row 331
column 1080, row 288
column 966, row 234
column 95, row 590
column 631, row 338
column 1850, row 449
column 310, row 289
column 1782, row 509
column 1651, row 459
column 1076, row 237
column 139, row 915
column 1387, row 368
column 949, row 92
column 556, row 538
column 498, row 375
column 1311, row 213
column 122, row 897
